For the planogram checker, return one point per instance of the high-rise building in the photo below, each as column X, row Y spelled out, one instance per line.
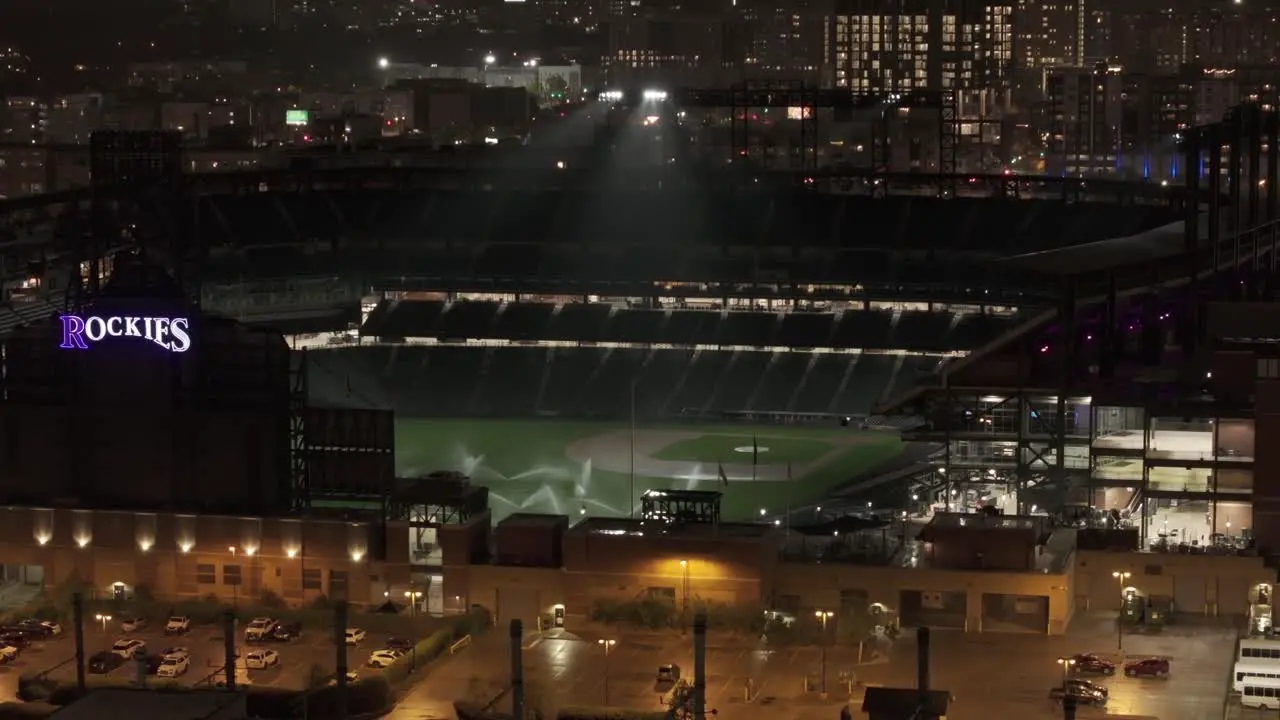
column 906, row 45
column 1048, row 33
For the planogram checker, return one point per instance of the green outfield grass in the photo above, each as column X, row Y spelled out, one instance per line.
column 736, row 448
column 525, row 466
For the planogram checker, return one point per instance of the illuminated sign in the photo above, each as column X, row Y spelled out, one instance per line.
column 297, row 118
column 169, row 333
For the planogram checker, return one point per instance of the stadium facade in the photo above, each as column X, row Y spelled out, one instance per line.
column 498, row 302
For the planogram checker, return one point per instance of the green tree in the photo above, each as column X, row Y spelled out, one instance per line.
column 556, row 88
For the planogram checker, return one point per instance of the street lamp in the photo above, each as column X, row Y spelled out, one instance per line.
column 235, row 587
column 489, row 59
column 104, row 619
column 1123, row 577
column 1066, row 664
column 823, row 616
column 413, row 596
column 684, row 586
column 608, row 647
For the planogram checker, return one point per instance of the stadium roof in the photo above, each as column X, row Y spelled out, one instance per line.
column 1155, row 244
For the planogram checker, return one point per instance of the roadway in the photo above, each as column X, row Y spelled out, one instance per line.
column 989, row 675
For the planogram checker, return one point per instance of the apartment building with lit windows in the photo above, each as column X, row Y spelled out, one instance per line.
column 895, row 46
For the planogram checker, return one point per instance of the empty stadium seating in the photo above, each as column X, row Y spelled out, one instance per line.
column 582, row 322
column 639, row 236
column 515, row 381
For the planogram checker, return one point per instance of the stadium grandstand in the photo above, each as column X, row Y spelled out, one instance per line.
column 760, row 301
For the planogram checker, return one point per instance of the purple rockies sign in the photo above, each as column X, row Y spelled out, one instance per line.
column 169, row 333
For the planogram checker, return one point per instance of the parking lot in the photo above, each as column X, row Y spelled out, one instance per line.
column 313, row 650
column 989, row 675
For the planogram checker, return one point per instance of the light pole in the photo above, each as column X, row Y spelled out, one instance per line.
column 413, row 596
column 104, row 619
column 684, row 586
column 823, row 616
column 235, row 587
column 1066, row 664
column 1123, row 577
column 608, row 647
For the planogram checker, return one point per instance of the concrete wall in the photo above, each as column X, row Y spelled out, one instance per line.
column 1208, row 584
column 173, row 553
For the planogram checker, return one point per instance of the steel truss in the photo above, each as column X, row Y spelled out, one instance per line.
column 681, row 506
column 1018, row 438
column 299, row 473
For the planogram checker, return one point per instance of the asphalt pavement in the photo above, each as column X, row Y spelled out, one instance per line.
column 989, row 675
column 315, row 648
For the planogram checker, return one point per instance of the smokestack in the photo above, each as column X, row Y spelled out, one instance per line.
column 699, row 665
column 922, row 658
column 517, row 669
column 340, row 644
column 229, row 648
column 77, row 618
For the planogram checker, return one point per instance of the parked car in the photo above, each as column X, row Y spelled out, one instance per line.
column 383, row 658
column 352, row 676
column 23, row 630
column 132, row 623
column 259, row 628
column 399, row 644
column 1150, row 667
column 38, row 628
column 1090, row 664
column 261, row 659
column 355, row 636
column 8, row 653
column 128, row 648
column 1084, row 692
column 174, row 663
column 101, row 663
column 18, row 639
column 177, row 625
column 285, row 632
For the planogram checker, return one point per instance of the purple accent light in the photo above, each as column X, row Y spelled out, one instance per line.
column 172, row 334
column 73, row 333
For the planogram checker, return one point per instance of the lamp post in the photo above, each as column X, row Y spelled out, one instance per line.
column 104, row 619
column 413, row 596
column 1123, row 577
column 608, row 647
column 684, row 586
column 823, row 616
column 1067, row 664
column 235, row 587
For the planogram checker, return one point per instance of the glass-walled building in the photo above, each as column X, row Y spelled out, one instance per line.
column 1178, row 480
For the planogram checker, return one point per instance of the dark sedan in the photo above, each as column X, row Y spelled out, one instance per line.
column 1090, row 664
column 104, row 662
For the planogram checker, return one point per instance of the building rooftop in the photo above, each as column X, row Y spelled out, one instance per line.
column 533, row 520
column 906, row 703
column 626, row 526
column 687, row 495
column 126, row 702
column 982, row 520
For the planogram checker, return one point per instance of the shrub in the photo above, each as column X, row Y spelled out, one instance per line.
column 24, row 711
column 269, row 599
column 600, row 713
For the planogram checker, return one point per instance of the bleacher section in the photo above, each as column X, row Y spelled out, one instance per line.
column 516, row 381
column 582, row 322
